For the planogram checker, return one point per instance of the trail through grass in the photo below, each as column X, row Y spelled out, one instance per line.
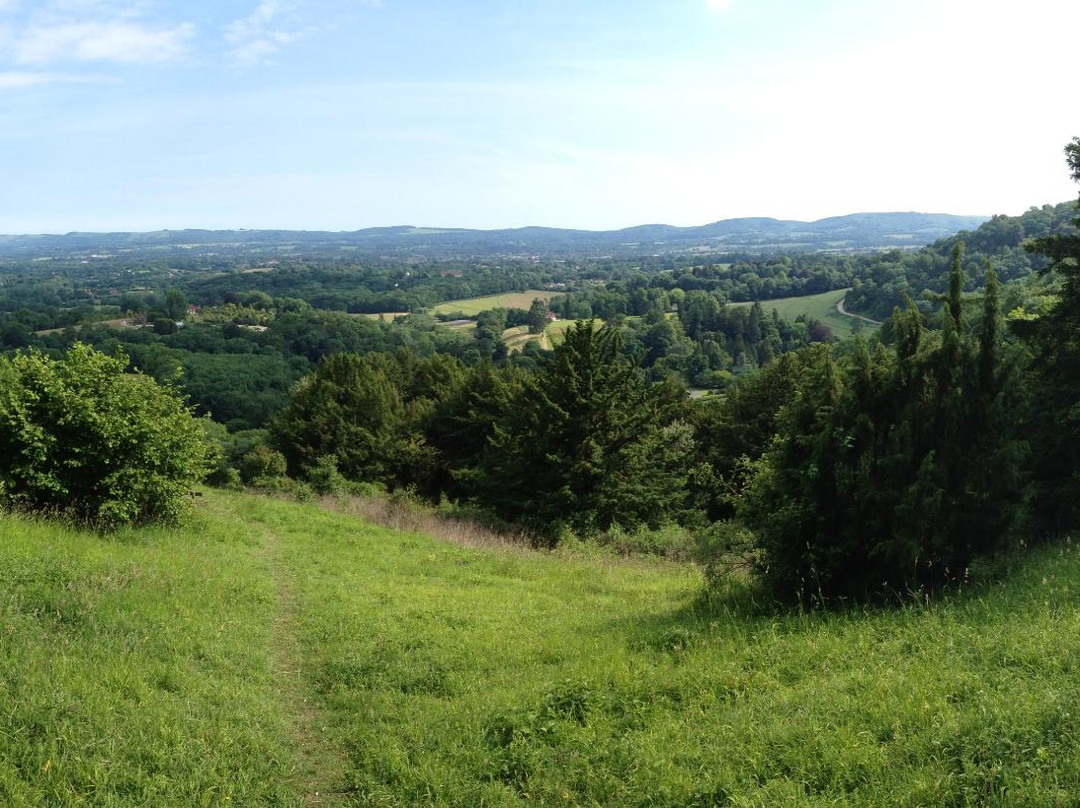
column 276, row 650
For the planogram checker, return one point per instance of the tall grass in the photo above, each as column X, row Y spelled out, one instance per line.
column 134, row 669
column 277, row 649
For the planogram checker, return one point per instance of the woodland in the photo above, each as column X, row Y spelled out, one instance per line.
column 861, row 468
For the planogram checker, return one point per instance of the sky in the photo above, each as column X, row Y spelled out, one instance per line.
column 597, row 114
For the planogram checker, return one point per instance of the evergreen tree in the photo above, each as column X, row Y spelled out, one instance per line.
column 587, row 445
column 1055, row 338
column 348, row 409
column 893, row 469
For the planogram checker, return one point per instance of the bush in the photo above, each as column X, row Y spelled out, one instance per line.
column 81, row 438
column 262, row 466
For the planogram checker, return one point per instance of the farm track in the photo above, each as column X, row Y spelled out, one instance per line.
column 841, row 310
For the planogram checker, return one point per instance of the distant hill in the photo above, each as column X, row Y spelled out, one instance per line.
column 855, row 232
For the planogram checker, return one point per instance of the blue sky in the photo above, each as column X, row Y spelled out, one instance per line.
column 342, row 114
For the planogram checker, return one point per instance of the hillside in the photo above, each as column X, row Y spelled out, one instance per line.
column 284, row 654
column 860, row 231
column 887, row 280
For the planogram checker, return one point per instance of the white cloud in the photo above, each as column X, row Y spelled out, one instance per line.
column 109, row 41
column 256, row 39
column 17, row 79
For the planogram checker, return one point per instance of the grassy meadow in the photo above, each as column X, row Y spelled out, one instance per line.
column 821, row 307
column 284, row 654
column 472, row 306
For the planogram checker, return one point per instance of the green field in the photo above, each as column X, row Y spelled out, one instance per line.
column 820, row 307
column 282, row 654
column 472, row 306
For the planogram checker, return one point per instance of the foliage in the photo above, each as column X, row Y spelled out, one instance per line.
column 893, row 469
column 262, row 466
column 588, row 445
column 1055, row 338
column 82, row 438
column 734, row 430
column 350, row 410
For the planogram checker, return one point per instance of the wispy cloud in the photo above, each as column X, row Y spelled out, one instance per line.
column 110, row 41
column 18, row 79
column 256, row 38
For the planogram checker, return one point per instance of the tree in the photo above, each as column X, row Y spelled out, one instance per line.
column 82, row 438
column 176, row 304
column 1055, row 338
column 348, row 409
column 894, row 469
column 538, row 314
column 588, row 445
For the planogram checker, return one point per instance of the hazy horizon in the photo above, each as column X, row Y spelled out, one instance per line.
column 432, row 226
column 339, row 115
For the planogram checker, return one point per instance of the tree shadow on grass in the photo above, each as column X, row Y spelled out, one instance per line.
column 739, row 606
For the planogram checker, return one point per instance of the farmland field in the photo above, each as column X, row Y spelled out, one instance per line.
column 285, row 654
column 821, row 307
column 516, row 338
column 509, row 300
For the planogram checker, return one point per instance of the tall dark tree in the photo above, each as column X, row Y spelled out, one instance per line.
column 538, row 316
column 348, row 409
column 588, row 445
column 893, row 469
column 1055, row 337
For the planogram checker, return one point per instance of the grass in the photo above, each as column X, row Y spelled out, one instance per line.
column 516, row 338
column 472, row 306
column 135, row 670
column 278, row 649
column 821, row 307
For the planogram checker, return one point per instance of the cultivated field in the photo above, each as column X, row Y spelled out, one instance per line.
column 821, row 307
column 280, row 654
column 516, row 338
column 510, row 300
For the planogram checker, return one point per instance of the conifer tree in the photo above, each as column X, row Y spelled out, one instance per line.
column 587, row 445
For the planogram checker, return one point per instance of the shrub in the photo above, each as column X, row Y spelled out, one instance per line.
column 81, row 438
column 262, row 466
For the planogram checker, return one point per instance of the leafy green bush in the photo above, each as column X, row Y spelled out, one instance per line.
column 262, row 466
column 81, row 438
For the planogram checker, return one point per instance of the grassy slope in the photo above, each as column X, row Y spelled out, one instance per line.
column 821, row 307
column 278, row 649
